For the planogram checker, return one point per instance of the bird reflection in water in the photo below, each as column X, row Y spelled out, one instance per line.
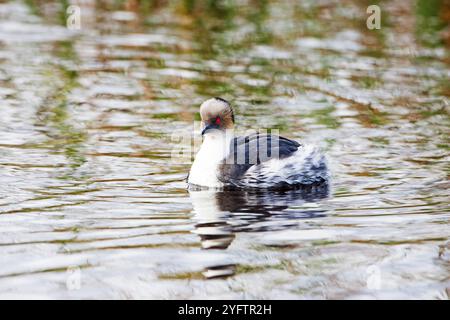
column 219, row 215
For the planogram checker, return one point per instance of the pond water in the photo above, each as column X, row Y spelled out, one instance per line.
column 93, row 204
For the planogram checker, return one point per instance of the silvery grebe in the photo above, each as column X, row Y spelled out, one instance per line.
column 256, row 161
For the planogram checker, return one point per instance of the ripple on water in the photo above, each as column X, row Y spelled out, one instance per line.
column 87, row 128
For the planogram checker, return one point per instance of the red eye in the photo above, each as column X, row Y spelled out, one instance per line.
column 217, row 120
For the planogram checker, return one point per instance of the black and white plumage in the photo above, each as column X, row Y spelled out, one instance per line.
column 254, row 161
column 282, row 163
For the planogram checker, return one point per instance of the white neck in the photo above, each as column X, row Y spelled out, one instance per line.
column 215, row 148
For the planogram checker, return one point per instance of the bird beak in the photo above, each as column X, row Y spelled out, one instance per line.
column 209, row 127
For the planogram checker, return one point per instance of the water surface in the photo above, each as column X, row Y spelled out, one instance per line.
column 89, row 120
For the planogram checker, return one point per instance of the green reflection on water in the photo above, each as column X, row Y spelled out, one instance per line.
column 54, row 113
column 429, row 22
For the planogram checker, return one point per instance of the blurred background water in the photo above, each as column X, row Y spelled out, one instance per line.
column 93, row 206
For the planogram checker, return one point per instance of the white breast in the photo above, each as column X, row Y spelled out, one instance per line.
column 204, row 170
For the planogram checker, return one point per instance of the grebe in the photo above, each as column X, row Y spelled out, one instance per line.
column 255, row 161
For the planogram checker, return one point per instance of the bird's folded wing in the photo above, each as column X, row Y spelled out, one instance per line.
column 248, row 151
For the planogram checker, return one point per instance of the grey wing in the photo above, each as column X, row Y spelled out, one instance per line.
column 249, row 151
